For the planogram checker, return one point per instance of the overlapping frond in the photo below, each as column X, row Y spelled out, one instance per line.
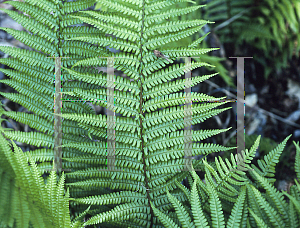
column 267, row 165
column 30, row 200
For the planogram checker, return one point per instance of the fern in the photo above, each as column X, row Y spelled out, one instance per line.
column 151, row 131
column 267, row 165
column 48, row 23
column 31, row 200
column 150, row 146
column 265, row 210
column 141, row 142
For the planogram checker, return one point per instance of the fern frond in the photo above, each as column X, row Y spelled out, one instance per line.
column 297, row 160
column 166, row 221
column 272, row 214
column 294, row 199
column 199, row 219
column 276, row 196
column 33, row 198
column 258, row 220
column 169, row 13
column 217, row 215
column 180, row 211
column 236, row 213
column 267, row 165
column 37, row 27
column 293, row 216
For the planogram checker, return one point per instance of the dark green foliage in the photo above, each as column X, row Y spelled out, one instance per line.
column 269, row 26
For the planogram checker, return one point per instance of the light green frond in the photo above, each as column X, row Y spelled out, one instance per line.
column 298, row 185
column 272, row 214
column 110, row 18
column 113, row 198
column 175, row 86
column 22, row 212
column 177, row 138
column 123, row 45
column 287, row 10
column 21, row 79
column 164, row 39
column 36, row 42
column 77, row 220
column 35, row 71
column 37, row 13
column 11, row 199
column 39, row 198
column 8, row 192
column 173, row 113
column 198, row 41
column 258, row 220
column 51, row 189
column 166, row 221
column 199, row 218
column 267, row 165
column 249, row 155
column 275, row 195
column 235, row 217
column 182, row 214
column 169, row 13
column 62, row 206
column 33, row 138
column 217, row 215
column 120, row 32
column 46, row 5
column 134, row 11
column 30, row 189
column 30, row 57
column 294, row 223
column 172, row 26
column 176, row 99
column 69, row 7
column 121, row 212
column 35, row 27
column 293, row 200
